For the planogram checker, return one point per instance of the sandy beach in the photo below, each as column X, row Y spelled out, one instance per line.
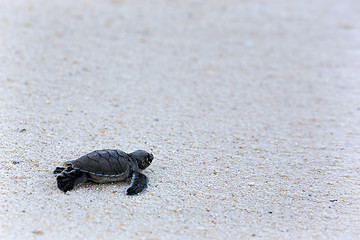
column 250, row 108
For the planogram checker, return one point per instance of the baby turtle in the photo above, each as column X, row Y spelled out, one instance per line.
column 106, row 165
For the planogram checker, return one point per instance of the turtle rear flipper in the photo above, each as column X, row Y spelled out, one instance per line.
column 138, row 184
column 66, row 181
column 59, row 170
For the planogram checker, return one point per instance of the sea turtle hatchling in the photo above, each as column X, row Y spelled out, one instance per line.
column 106, row 165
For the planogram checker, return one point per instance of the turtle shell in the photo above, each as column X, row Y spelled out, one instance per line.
column 105, row 162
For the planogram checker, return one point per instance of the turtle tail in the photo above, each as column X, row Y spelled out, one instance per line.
column 67, row 180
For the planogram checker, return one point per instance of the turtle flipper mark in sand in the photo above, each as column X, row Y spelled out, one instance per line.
column 106, row 165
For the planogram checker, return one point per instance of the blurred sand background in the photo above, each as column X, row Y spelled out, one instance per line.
column 251, row 109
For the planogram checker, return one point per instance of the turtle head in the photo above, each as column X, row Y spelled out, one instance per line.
column 142, row 158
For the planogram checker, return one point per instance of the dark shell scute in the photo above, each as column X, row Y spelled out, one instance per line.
column 104, row 154
column 114, row 154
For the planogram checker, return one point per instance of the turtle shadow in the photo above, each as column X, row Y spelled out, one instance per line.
column 120, row 185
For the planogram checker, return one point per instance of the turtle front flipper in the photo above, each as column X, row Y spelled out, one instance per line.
column 138, row 184
column 67, row 180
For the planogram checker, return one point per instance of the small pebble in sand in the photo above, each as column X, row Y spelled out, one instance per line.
column 38, row 232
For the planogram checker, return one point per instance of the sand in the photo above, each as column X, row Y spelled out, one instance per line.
column 251, row 109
